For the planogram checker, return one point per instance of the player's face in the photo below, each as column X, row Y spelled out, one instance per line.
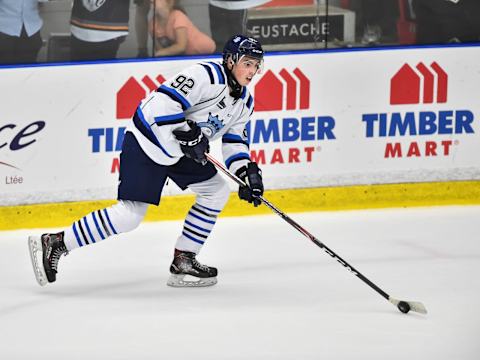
column 245, row 69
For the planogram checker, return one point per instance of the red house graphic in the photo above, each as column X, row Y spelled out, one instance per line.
column 406, row 85
column 132, row 92
column 270, row 91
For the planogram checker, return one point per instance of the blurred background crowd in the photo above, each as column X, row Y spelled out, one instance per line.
column 75, row 30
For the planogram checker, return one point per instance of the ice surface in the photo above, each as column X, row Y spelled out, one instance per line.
column 279, row 296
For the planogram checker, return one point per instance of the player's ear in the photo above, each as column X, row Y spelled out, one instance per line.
column 230, row 63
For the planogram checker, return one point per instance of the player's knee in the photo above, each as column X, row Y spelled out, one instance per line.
column 218, row 195
column 127, row 215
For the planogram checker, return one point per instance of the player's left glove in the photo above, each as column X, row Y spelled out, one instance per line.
column 193, row 143
column 252, row 176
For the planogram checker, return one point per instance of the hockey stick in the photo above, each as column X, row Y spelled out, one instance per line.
column 403, row 306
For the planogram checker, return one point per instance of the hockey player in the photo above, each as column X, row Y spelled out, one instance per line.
column 168, row 138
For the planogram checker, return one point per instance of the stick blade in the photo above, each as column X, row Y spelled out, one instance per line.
column 413, row 305
column 417, row 307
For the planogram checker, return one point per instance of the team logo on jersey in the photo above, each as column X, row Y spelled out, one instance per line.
column 212, row 125
column 93, row 5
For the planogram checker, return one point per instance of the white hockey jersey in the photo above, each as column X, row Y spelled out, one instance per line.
column 199, row 93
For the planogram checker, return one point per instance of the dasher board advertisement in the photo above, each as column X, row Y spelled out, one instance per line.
column 321, row 119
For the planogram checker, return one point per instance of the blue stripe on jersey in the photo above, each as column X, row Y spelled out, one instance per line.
column 234, row 139
column 139, row 112
column 217, row 211
column 142, row 125
column 236, row 157
column 250, row 102
column 210, row 74
column 169, row 119
column 97, row 226
column 200, row 218
column 74, row 227
column 109, row 222
column 174, row 95
column 197, row 227
column 219, row 71
column 244, row 92
column 88, row 229
column 192, row 238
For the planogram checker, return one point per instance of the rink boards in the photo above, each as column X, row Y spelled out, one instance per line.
column 334, row 122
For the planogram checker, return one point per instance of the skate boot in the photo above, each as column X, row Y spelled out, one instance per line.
column 186, row 271
column 45, row 251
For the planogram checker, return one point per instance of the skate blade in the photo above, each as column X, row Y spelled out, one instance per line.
column 36, row 255
column 183, row 280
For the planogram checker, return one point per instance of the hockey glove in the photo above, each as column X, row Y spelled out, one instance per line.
column 193, row 143
column 252, row 176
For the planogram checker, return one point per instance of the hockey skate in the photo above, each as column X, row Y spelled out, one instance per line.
column 45, row 251
column 186, row 271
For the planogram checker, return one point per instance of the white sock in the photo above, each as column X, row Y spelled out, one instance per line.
column 101, row 224
column 196, row 228
column 212, row 195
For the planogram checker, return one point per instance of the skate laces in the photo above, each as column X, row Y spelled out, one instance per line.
column 58, row 248
column 200, row 265
column 57, row 253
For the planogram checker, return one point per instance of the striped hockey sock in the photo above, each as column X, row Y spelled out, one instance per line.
column 90, row 229
column 196, row 228
column 101, row 224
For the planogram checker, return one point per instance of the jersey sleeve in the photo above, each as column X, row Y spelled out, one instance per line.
column 235, row 142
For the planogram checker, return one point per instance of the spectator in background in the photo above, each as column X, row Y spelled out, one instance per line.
column 445, row 21
column 174, row 33
column 141, row 26
column 229, row 17
column 376, row 20
column 98, row 28
column 20, row 24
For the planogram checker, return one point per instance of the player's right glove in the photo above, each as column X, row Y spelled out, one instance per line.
column 252, row 176
column 193, row 143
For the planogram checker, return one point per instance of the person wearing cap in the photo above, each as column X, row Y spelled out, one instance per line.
column 168, row 137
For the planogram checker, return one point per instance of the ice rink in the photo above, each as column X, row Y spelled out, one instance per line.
column 279, row 296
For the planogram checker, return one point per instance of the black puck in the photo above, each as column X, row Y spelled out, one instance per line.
column 403, row 307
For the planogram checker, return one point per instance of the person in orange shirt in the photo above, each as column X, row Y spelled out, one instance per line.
column 174, row 32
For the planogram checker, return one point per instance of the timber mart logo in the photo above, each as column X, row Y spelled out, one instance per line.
column 132, row 92
column 419, row 85
column 424, row 128
column 290, row 90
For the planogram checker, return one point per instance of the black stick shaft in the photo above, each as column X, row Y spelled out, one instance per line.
column 301, row 230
